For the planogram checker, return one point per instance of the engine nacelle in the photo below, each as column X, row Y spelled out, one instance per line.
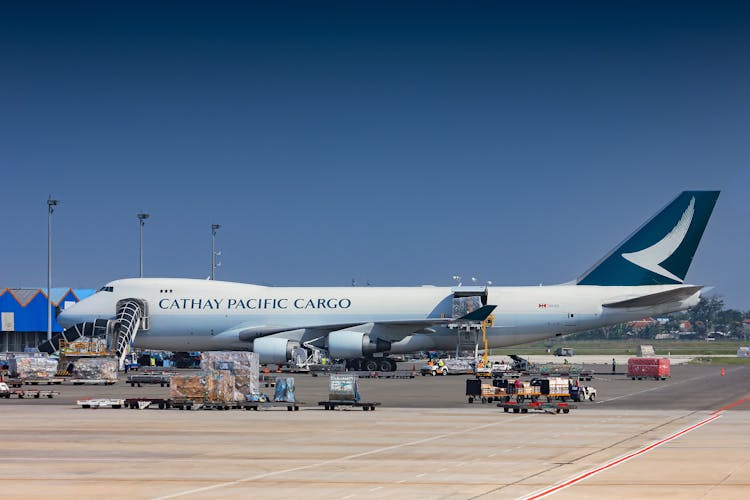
column 346, row 344
column 274, row 349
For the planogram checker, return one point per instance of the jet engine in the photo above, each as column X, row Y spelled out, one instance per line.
column 346, row 344
column 274, row 349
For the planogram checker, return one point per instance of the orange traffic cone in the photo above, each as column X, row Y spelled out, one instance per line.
column 722, row 371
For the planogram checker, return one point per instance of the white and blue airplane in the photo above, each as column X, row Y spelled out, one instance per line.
column 643, row 276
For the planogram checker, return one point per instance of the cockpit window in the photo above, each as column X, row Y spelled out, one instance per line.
column 107, row 289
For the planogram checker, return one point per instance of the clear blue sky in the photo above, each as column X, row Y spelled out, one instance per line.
column 400, row 143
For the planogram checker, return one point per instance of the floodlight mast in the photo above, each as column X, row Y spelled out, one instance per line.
column 214, row 228
column 142, row 216
column 50, row 208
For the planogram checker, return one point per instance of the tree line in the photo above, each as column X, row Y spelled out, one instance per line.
column 707, row 318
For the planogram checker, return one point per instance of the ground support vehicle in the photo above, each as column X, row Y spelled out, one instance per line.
column 96, row 381
column 101, row 403
column 143, row 403
column 290, row 405
column 642, row 368
column 526, row 392
column 485, row 393
column 6, row 392
column 189, row 404
column 396, row 374
column 371, row 364
column 149, row 378
column 42, row 381
column 332, row 404
column 583, row 393
column 554, row 388
column 586, row 375
column 560, row 370
column 316, row 368
column 541, row 406
column 450, row 367
column 522, row 365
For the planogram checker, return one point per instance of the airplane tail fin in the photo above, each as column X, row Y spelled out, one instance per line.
column 661, row 250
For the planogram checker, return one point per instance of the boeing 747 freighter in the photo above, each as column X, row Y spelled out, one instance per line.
column 643, row 276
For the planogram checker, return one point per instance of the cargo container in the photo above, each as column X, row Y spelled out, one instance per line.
column 656, row 368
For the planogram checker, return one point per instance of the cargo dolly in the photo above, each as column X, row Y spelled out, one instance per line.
column 37, row 381
column 143, row 403
column 139, row 379
column 332, row 404
column 23, row 393
column 290, row 405
column 546, row 407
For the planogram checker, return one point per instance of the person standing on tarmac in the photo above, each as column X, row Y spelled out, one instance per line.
column 613, row 365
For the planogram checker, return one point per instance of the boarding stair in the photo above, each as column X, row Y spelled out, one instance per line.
column 130, row 316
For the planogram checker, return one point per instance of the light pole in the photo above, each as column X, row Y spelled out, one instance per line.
column 50, row 208
column 214, row 228
column 141, row 221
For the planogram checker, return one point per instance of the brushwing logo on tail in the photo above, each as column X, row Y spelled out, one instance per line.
column 652, row 257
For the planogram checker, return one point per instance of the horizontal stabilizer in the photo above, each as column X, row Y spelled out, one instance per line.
column 480, row 314
column 655, row 299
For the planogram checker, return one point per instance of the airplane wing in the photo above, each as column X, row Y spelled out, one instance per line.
column 387, row 328
column 655, row 299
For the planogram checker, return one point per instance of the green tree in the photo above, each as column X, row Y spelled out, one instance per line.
column 703, row 316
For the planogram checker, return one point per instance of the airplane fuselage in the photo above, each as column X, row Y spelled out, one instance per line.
column 197, row 315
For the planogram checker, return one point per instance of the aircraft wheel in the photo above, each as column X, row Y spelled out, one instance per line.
column 371, row 365
column 385, row 365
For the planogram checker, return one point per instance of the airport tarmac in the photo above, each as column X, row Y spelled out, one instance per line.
column 686, row 437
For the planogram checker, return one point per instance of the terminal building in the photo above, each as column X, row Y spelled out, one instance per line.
column 24, row 314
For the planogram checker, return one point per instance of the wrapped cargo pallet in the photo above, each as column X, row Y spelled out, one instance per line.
column 104, row 368
column 242, row 365
column 658, row 368
column 284, row 390
column 203, row 387
column 343, row 388
column 32, row 367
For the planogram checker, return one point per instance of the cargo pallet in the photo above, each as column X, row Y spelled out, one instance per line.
column 331, row 405
column 536, row 406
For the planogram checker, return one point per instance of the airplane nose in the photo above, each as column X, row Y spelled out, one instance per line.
column 65, row 318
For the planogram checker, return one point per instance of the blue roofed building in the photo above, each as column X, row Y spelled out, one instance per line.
column 24, row 314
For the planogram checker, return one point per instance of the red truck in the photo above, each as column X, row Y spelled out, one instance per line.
column 640, row 368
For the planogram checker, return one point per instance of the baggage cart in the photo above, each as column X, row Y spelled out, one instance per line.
column 331, row 405
column 540, row 406
column 290, row 405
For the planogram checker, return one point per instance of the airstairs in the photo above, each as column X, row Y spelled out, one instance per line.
column 131, row 316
